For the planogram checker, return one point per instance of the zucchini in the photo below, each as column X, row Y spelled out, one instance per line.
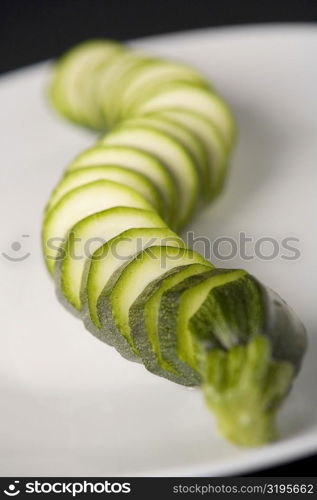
column 143, row 321
column 71, row 89
column 79, row 203
column 126, row 284
column 128, row 177
column 114, row 255
column 210, row 137
column 86, row 237
column 261, row 345
column 177, row 306
column 136, row 160
column 109, row 82
column 243, row 308
column 186, row 137
column 137, row 286
column 151, row 76
column 171, row 153
column 194, row 98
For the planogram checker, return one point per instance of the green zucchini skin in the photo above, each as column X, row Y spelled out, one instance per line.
column 237, row 311
column 140, row 320
column 167, row 153
column 109, row 329
column 109, row 259
column 250, row 347
column 112, row 301
column 217, row 151
column 72, row 94
column 115, row 173
column 173, row 346
column 171, row 153
column 189, row 141
column 137, row 160
column 244, row 388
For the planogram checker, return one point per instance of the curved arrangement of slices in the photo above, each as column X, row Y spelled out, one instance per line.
column 109, row 240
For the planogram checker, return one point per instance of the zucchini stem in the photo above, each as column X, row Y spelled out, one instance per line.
column 244, row 388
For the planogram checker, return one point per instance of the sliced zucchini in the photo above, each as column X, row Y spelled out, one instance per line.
column 109, row 82
column 177, row 306
column 143, row 321
column 249, row 373
column 185, row 136
column 71, row 90
column 137, row 160
column 170, row 152
column 211, row 138
column 79, row 203
column 193, row 97
column 132, row 280
column 113, row 255
column 87, row 236
column 135, row 180
column 240, row 309
column 126, row 285
column 148, row 77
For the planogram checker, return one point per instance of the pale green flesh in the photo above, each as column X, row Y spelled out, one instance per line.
column 191, row 323
column 119, row 251
column 125, row 176
column 110, row 80
column 136, row 160
column 151, row 310
column 71, row 91
column 184, row 135
column 81, row 202
column 215, row 146
column 192, row 97
column 171, row 153
column 151, row 76
column 90, row 234
column 190, row 302
column 139, row 273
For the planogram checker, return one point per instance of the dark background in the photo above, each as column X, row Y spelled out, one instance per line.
column 34, row 30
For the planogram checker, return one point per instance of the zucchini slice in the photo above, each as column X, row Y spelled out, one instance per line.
column 185, row 136
column 177, row 306
column 114, row 255
column 136, row 160
column 171, row 153
column 238, row 310
column 87, row 236
column 71, row 90
column 78, row 204
column 211, row 138
column 128, row 283
column 192, row 97
column 143, row 321
column 123, row 175
column 110, row 80
column 151, row 76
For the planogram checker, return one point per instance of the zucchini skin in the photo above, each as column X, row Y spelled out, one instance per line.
column 257, row 344
column 140, row 323
column 236, row 312
column 110, row 329
column 242, row 343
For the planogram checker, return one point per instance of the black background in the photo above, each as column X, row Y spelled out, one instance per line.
column 34, row 30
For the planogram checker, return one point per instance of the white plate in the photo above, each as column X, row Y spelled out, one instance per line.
column 69, row 404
